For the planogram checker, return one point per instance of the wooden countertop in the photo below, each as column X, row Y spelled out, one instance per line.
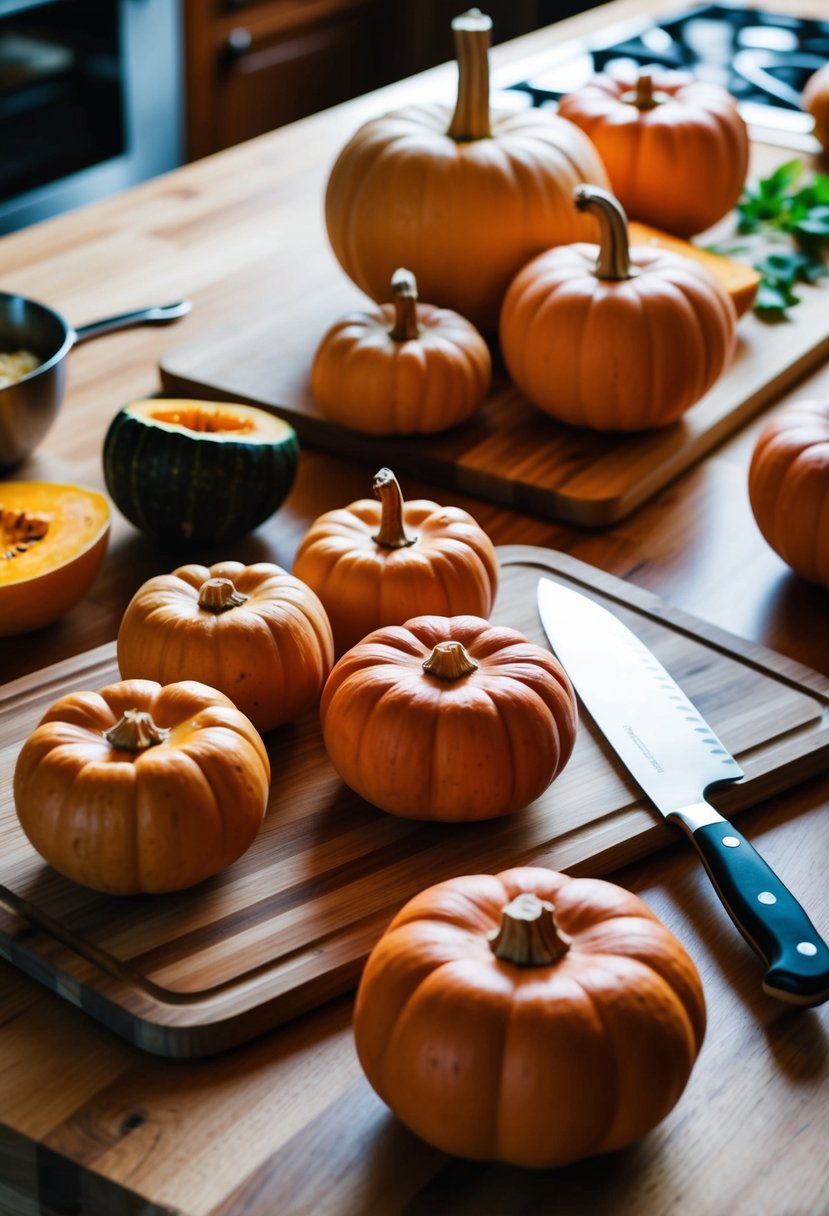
column 287, row 1124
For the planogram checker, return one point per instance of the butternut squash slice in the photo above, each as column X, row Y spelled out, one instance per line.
column 737, row 279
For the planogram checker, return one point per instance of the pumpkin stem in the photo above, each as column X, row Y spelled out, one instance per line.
column 136, row 732
column 528, row 934
column 404, row 290
column 644, row 97
column 449, row 661
column 219, row 594
column 471, row 120
column 613, row 262
column 392, row 534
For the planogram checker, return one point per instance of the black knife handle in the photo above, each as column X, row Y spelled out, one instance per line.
column 767, row 914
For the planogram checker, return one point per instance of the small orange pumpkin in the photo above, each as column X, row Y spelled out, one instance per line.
column 139, row 788
column 448, row 718
column 378, row 563
column 405, row 369
column 788, row 486
column 815, row 101
column 463, row 199
column 675, row 149
column 528, row 1017
column 614, row 338
column 256, row 633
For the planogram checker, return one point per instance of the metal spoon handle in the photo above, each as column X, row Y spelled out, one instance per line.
column 159, row 315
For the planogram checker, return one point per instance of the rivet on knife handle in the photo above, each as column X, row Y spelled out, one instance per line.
column 763, row 909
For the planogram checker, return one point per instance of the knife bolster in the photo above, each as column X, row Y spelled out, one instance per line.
column 697, row 815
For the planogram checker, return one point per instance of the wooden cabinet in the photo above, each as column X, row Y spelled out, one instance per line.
column 252, row 65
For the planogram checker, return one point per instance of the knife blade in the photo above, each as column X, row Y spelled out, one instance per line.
column 676, row 759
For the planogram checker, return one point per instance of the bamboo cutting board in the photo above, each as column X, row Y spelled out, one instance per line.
column 290, row 924
column 509, row 453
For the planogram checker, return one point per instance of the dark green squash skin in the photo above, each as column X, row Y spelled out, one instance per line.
column 185, row 490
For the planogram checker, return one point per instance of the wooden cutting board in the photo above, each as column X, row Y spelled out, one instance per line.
column 509, row 453
column 290, row 924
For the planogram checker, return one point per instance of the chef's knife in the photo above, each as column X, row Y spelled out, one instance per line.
column 676, row 758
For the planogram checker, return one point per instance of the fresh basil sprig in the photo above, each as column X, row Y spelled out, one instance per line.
column 782, row 205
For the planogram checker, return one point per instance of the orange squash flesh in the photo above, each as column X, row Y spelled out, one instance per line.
column 739, row 280
column 52, row 542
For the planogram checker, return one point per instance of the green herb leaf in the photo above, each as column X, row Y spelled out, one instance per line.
column 783, row 206
column 774, row 298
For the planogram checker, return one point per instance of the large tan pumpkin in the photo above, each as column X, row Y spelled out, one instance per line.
column 613, row 338
column 675, row 149
column 462, row 200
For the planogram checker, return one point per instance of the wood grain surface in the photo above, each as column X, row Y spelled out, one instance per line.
column 290, row 925
column 286, row 1124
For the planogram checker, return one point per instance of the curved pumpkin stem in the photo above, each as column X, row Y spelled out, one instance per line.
column 449, row 661
column 219, row 594
column 644, row 97
column 404, row 291
column 392, row 534
column 471, row 119
column 136, row 731
column 613, row 262
column 528, row 934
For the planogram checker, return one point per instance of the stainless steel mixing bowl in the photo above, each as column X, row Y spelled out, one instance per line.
column 30, row 405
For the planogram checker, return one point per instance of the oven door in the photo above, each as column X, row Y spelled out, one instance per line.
column 90, row 101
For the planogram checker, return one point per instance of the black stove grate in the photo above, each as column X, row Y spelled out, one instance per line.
column 763, row 58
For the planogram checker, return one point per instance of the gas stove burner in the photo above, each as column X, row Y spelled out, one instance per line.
column 763, row 58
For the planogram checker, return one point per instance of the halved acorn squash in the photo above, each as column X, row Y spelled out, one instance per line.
column 198, row 472
column 52, row 542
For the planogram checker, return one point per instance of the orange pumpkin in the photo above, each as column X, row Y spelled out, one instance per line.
column 528, row 1017
column 139, row 788
column 448, row 718
column 376, row 563
column 614, row 338
column 815, row 101
column 463, row 199
column 405, row 369
column 256, row 633
column 788, row 486
column 675, row 149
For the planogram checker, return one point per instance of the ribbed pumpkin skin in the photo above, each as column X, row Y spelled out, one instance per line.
column 484, row 745
column 463, row 217
column 271, row 655
column 185, row 488
column 533, row 1065
column 451, row 569
column 46, row 579
column 620, row 356
column 367, row 381
column 680, row 166
column 158, row 820
column 788, row 486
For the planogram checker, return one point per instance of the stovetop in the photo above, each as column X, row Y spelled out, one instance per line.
column 764, row 59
